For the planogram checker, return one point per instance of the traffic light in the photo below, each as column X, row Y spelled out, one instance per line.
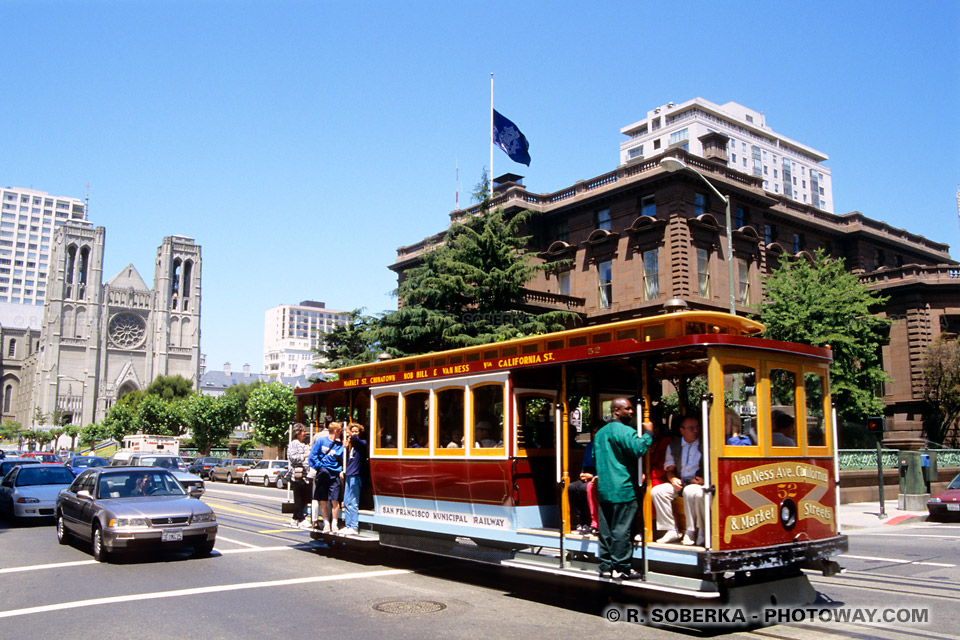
column 877, row 425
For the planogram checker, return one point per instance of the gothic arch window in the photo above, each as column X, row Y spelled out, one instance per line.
column 68, row 322
column 175, row 283
column 12, row 348
column 126, row 388
column 68, row 274
column 81, row 322
column 187, row 273
column 82, row 272
column 174, row 332
column 185, row 329
column 7, row 396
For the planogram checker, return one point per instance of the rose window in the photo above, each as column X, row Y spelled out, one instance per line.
column 127, row 330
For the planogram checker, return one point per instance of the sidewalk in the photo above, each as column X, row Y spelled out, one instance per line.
column 866, row 515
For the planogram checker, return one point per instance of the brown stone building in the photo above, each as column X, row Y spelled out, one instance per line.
column 640, row 235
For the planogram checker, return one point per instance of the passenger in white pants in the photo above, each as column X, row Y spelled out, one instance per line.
column 683, row 464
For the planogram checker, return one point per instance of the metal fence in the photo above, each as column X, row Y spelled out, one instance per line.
column 851, row 459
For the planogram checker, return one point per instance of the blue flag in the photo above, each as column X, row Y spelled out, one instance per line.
column 508, row 137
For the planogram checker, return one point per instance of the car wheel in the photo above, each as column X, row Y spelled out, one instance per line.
column 229, row 479
column 62, row 536
column 246, row 479
column 100, row 553
column 203, row 550
column 266, row 481
column 279, row 483
column 211, row 477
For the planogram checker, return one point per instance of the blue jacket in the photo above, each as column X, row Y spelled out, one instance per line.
column 326, row 454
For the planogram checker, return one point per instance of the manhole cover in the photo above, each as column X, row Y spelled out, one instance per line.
column 410, row 606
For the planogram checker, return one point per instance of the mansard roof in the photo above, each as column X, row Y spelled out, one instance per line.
column 128, row 278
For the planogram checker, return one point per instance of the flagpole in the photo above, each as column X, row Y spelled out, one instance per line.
column 491, row 134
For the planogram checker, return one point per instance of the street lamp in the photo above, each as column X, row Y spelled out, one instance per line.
column 675, row 164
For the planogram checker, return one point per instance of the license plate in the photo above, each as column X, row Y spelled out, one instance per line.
column 173, row 535
column 953, row 507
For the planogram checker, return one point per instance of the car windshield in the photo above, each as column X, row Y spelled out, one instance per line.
column 85, row 461
column 954, row 484
column 10, row 464
column 137, row 484
column 245, row 463
column 164, row 462
column 37, row 475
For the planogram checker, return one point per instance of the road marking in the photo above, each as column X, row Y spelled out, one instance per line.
column 899, row 561
column 57, row 565
column 244, row 544
column 180, row 593
column 234, row 494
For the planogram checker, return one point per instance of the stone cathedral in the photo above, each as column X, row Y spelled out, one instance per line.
column 99, row 340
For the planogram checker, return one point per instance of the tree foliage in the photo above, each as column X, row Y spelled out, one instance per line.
column 170, row 387
column 160, row 417
column 821, row 304
column 941, row 391
column 351, row 343
column 241, row 394
column 211, row 420
column 91, row 433
column 469, row 289
column 120, row 421
column 271, row 409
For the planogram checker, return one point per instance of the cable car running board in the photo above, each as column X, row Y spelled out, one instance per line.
column 655, row 581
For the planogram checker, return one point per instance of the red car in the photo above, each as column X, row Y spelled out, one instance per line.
column 947, row 502
column 46, row 458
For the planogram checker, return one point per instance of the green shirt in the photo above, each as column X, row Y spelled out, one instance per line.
column 616, row 450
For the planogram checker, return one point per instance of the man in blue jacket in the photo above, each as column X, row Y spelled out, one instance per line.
column 326, row 456
column 616, row 450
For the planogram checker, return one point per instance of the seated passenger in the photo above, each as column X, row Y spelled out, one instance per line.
column 735, row 437
column 484, row 438
column 580, row 489
column 684, row 467
column 781, row 426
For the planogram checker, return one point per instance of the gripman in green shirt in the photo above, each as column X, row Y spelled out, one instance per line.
column 616, row 450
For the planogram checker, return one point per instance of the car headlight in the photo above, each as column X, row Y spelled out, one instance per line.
column 204, row 517
column 935, row 500
column 127, row 522
column 23, row 500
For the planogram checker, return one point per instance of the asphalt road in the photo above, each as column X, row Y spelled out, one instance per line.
column 267, row 581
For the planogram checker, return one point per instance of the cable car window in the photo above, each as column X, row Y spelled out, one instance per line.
column 450, row 419
column 488, row 416
column 416, row 422
column 386, row 425
column 783, row 408
column 535, row 422
column 816, row 425
column 740, row 405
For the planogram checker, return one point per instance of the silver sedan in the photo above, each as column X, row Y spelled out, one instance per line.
column 30, row 490
column 118, row 508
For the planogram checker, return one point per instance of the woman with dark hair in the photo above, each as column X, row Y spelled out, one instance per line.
column 297, row 453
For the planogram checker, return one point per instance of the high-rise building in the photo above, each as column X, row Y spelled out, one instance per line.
column 291, row 332
column 28, row 220
column 785, row 166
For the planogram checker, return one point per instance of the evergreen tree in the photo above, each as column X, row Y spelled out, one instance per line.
column 469, row 289
column 820, row 304
column 350, row 343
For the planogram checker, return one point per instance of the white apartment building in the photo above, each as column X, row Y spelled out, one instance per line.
column 28, row 219
column 788, row 168
column 291, row 332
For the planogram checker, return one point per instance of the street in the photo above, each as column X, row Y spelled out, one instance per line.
column 265, row 580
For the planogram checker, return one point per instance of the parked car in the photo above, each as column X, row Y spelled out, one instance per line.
column 79, row 463
column 947, row 502
column 231, row 469
column 267, row 472
column 201, row 466
column 172, row 463
column 118, row 508
column 30, row 490
column 9, row 463
column 46, row 458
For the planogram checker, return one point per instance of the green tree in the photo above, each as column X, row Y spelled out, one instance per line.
column 241, row 393
column 11, row 430
column 941, row 391
column 820, row 303
column 92, row 433
column 170, row 387
column 351, row 343
column 73, row 431
column 271, row 409
column 56, row 417
column 39, row 417
column 160, row 417
column 120, row 421
column 211, row 420
column 469, row 289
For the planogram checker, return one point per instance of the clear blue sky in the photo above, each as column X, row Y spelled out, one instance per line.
column 301, row 143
